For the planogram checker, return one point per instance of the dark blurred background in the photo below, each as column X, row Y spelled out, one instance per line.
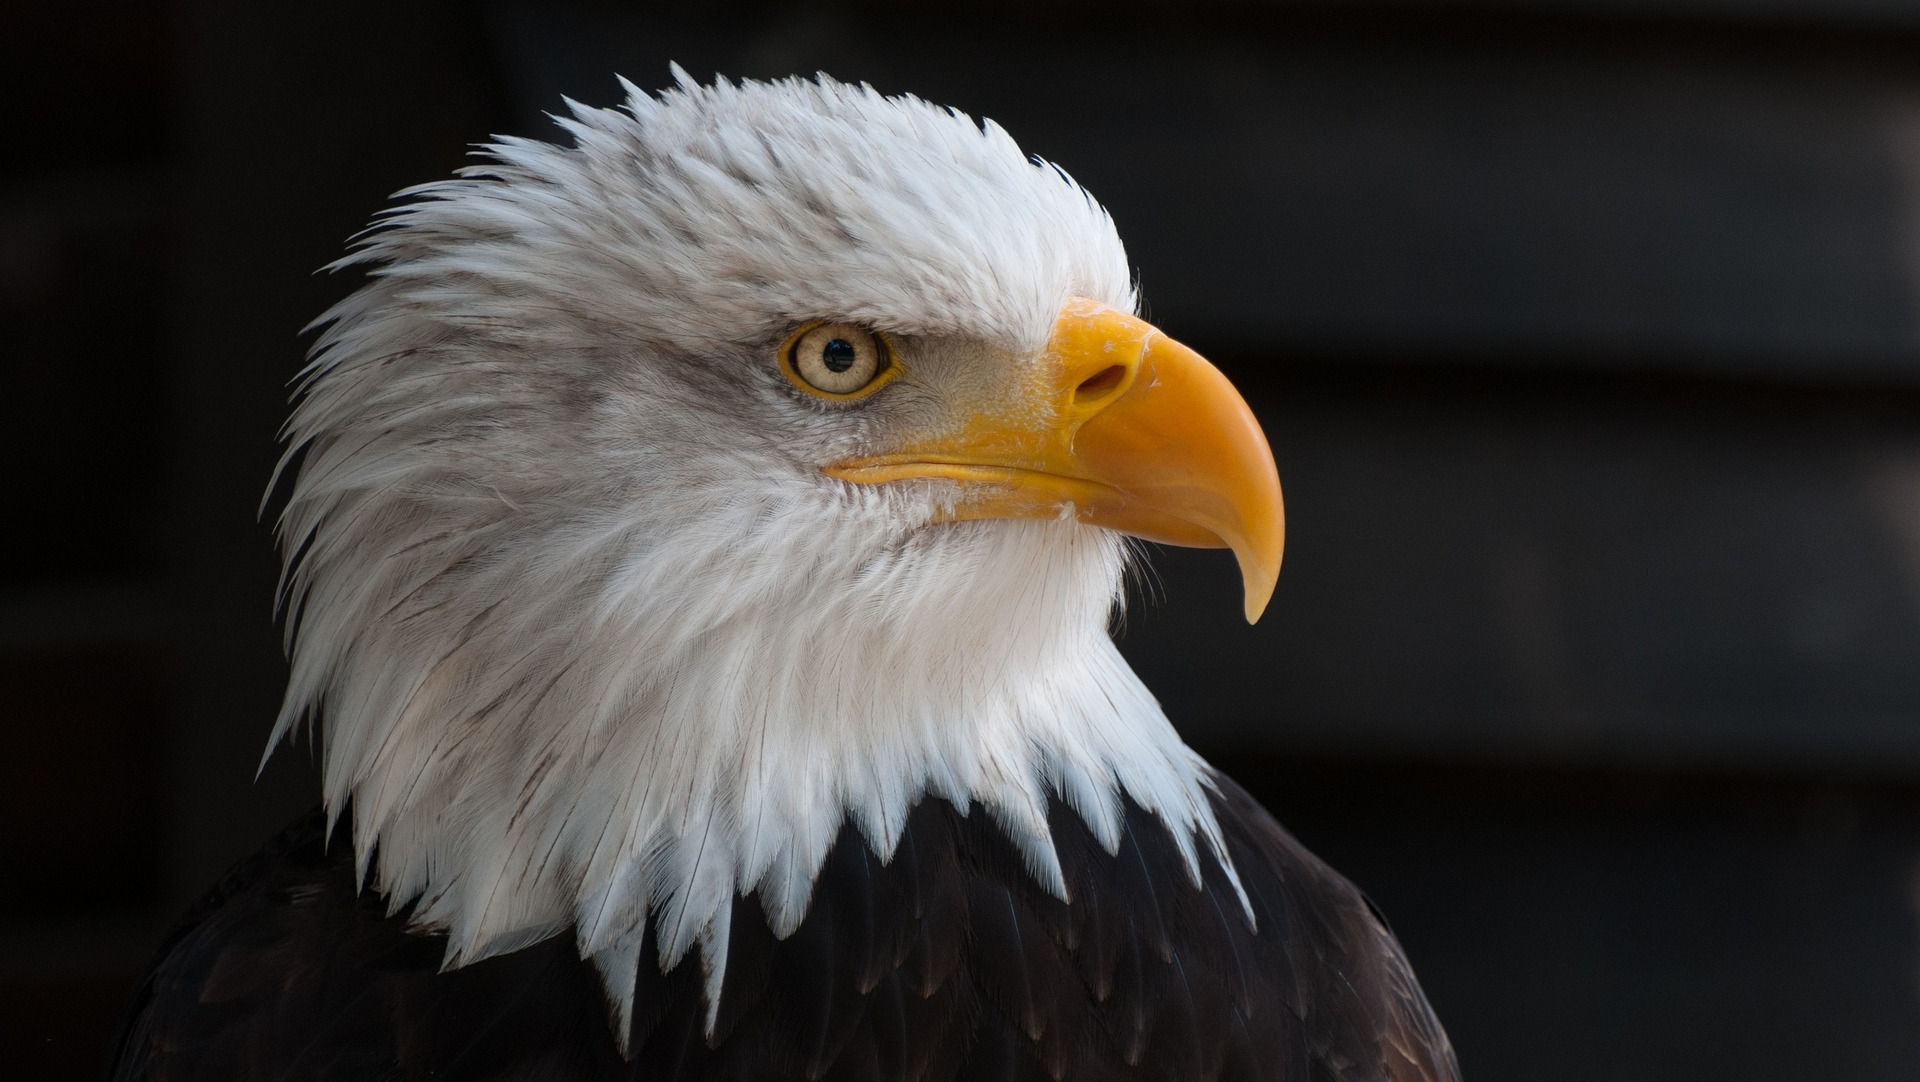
column 1587, row 334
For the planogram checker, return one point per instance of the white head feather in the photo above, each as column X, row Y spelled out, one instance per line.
column 589, row 637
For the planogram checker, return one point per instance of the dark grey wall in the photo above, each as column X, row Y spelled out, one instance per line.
column 1586, row 334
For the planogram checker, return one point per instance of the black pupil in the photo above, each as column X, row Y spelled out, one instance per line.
column 838, row 355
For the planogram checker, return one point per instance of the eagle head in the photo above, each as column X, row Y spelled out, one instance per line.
column 757, row 463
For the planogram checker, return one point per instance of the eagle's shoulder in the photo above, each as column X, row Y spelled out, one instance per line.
column 1363, row 1012
column 948, row 960
column 286, row 971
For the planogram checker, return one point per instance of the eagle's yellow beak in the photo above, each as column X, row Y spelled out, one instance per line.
column 1126, row 429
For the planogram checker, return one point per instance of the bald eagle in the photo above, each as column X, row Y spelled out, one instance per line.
column 699, row 565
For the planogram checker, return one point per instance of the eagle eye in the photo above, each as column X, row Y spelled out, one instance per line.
column 838, row 361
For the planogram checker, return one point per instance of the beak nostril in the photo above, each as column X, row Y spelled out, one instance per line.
column 1100, row 384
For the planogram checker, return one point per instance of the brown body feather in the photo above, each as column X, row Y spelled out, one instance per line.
column 946, row 962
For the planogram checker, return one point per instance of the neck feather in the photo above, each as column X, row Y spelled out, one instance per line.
column 603, row 731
